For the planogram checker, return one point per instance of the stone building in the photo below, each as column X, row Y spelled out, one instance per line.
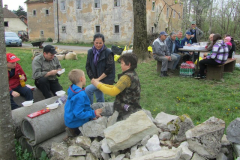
column 78, row 20
column 12, row 23
column 40, row 15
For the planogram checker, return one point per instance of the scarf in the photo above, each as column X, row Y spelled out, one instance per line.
column 96, row 54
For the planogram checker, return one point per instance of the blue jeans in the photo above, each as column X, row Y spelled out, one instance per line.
column 90, row 90
column 23, row 91
column 177, row 61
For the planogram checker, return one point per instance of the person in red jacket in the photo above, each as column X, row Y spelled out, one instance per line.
column 15, row 74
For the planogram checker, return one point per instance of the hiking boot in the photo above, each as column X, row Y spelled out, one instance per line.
column 162, row 74
column 165, row 73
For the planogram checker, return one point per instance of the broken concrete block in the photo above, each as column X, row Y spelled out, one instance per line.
column 94, row 128
column 76, row 151
column 153, row 143
column 233, row 131
column 126, row 133
column 164, row 154
column 205, row 139
column 162, row 119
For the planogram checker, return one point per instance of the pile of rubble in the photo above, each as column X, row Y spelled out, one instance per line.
column 141, row 137
column 61, row 54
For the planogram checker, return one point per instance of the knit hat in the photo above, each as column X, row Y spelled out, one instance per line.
column 228, row 39
column 12, row 58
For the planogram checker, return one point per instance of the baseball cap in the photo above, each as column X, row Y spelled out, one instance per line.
column 12, row 58
column 49, row 48
column 189, row 33
column 163, row 33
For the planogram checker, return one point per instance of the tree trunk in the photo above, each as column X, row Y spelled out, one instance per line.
column 210, row 18
column 7, row 146
column 140, row 29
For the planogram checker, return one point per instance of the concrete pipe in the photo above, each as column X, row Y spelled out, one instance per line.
column 43, row 127
column 20, row 113
column 24, row 144
column 46, row 145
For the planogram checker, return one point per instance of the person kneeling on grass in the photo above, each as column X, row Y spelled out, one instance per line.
column 77, row 110
column 128, row 88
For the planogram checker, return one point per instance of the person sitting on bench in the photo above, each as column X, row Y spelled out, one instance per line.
column 219, row 55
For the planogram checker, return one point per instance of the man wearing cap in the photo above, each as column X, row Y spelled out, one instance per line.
column 196, row 33
column 161, row 53
column 187, row 41
column 15, row 74
column 45, row 67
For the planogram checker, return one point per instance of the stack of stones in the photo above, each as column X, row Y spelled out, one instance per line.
column 141, row 137
column 233, row 135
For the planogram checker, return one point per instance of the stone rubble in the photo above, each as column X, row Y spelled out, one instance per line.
column 141, row 137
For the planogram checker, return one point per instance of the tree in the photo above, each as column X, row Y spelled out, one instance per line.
column 7, row 147
column 140, row 29
column 20, row 11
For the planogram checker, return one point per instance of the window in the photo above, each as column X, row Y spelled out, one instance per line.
column 34, row 13
column 174, row 14
column 116, row 29
column 97, row 3
column 153, row 6
column 79, row 29
column 167, row 12
column 116, row 3
column 6, row 24
column 62, row 5
column 79, row 4
column 63, row 29
column 97, row 29
column 41, row 33
column 47, row 13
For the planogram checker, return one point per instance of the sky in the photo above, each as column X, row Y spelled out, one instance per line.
column 13, row 4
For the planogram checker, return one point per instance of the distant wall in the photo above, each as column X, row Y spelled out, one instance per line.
column 41, row 21
column 15, row 25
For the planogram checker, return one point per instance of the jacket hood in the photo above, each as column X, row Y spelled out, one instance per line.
column 73, row 90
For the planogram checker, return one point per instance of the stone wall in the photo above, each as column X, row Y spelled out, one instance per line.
column 142, row 137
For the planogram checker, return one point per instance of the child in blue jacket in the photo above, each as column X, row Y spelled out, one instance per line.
column 77, row 110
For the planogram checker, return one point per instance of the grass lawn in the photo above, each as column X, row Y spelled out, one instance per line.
column 200, row 99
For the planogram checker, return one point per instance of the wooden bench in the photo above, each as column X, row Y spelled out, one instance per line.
column 216, row 72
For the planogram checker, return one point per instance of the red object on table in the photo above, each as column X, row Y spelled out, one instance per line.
column 38, row 113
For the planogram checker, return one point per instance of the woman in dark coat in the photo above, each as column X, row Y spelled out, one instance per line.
column 100, row 65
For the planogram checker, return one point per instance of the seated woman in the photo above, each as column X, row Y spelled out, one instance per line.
column 219, row 55
column 127, row 90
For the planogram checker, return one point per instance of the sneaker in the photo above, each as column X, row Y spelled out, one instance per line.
column 198, row 76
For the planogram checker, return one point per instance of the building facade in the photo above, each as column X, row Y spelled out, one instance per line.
column 40, row 15
column 77, row 21
column 12, row 23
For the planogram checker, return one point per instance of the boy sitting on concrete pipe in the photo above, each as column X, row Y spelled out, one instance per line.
column 77, row 110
